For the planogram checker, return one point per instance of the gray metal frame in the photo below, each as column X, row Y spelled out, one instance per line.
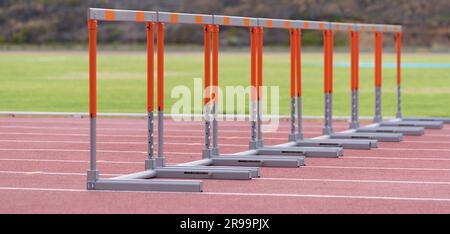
column 409, row 123
column 378, row 117
column 354, row 122
column 444, row 120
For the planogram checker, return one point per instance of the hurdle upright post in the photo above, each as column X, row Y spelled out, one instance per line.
column 328, row 80
column 215, row 83
column 260, row 44
column 207, row 89
column 398, row 40
column 293, row 50
column 253, row 92
column 378, row 75
column 93, row 173
column 298, row 76
column 354, row 51
column 150, row 162
column 160, row 162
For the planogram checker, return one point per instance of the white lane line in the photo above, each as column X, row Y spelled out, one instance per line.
column 197, row 144
column 174, row 136
column 428, row 142
column 51, row 173
column 185, row 153
column 116, row 143
column 330, row 196
column 381, row 168
column 65, row 161
column 306, row 167
column 409, row 149
column 318, row 196
column 284, row 123
column 398, row 158
column 194, row 153
column 75, row 150
column 359, row 181
column 129, row 136
column 177, row 129
column 87, row 150
column 267, row 179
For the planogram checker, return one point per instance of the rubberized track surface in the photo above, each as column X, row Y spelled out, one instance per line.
column 43, row 163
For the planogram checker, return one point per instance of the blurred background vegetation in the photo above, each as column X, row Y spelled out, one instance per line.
column 44, row 62
column 62, row 22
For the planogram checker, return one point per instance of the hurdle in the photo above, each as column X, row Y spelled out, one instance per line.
column 432, row 123
column 243, row 165
column 409, row 126
column 256, row 144
column 322, row 141
column 406, row 128
column 211, row 155
column 154, row 167
column 354, row 89
column 378, row 131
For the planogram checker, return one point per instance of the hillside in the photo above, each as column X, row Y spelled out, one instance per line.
column 427, row 22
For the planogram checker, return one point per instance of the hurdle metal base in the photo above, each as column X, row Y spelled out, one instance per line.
column 208, row 172
column 408, row 131
column 409, row 123
column 258, row 161
column 326, row 152
column 445, row 120
column 147, row 185
column 142, row 181
column 344, row 143
column 381, row 137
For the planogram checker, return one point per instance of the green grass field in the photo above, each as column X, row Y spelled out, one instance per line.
column 58, row 81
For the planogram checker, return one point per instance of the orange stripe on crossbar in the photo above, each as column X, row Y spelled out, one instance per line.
column 306, row 25
column 269, row 23
column 385, row 28
column 287, row 24
column 338, row 27
column 246, row 22
column 140, row 16
column 198, row 19
column 110, row 15
column 363, row 28
column 226, row 20
column 173, row 18
column 321, row 25
column 349, row 27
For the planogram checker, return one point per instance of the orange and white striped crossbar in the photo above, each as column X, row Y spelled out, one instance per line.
column 202, row 19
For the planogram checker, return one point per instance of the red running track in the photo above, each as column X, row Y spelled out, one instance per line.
column 43, row 164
